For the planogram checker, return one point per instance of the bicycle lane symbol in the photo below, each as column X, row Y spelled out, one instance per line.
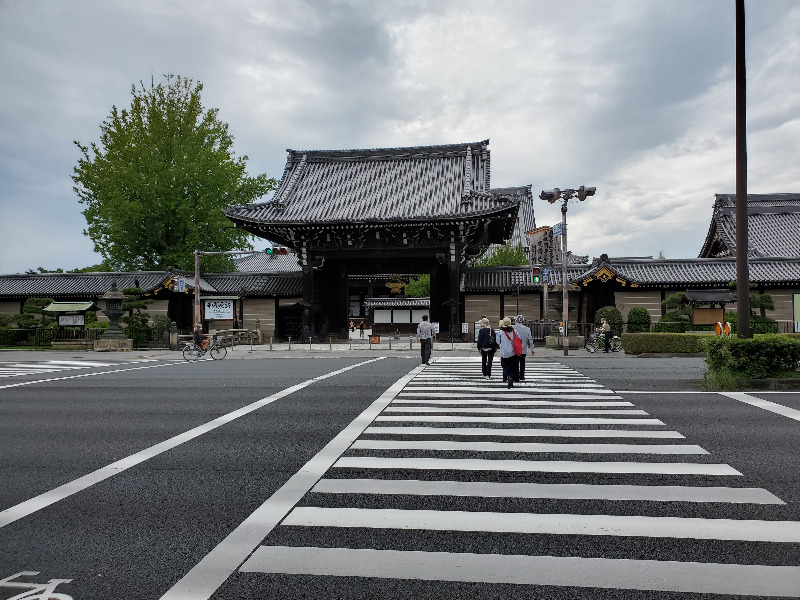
column 35, row 591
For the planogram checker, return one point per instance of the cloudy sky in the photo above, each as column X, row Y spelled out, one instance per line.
column 635, row 97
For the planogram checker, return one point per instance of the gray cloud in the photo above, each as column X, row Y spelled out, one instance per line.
column 633, row 97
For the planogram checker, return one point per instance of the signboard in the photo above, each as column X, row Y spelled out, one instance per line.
column 71, row 321
column 557, row 229
column 181, row 284
column 477, row 329
column 374, row 339
column 219, row 309
column 465, row 328
column 435, row 327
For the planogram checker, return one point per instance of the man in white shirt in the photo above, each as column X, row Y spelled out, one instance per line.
column 425, row 333
column 524, row 332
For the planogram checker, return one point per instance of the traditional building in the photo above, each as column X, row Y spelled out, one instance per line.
column 350, row 213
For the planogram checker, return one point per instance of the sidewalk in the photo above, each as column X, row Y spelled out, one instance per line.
column 357, row 348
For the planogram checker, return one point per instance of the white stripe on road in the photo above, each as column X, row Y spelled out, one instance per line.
column 65, row 377
column 564, row 491
column 41, row 501
column 528, row 447
column 462, row 400
column 210, row 573
column 528, row 411
column 548, row 420
column 533, row 466
column 545, row 523
column 778, row 409
column 504, row 432
column 507, row 395
column 662, row 576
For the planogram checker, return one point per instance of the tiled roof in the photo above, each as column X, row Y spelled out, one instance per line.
column 709, row 296
column 380, row 185
column 76, row 285
column 269, row 284
column 397, row 302
column 264, row 263
column 773, row 226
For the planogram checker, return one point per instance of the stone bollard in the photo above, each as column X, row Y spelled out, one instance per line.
column 173, row 336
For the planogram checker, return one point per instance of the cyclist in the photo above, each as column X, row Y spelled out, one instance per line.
column 607, row 334
column 198, row 337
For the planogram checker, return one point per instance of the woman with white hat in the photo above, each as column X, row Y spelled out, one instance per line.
column 508, row 358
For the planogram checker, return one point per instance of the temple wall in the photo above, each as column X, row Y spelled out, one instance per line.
column 625, row 300
column 528, row 306
column 263, row 310
column 484, row 304
column 13, row 307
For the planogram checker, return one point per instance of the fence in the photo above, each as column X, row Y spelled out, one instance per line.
column 143, row 337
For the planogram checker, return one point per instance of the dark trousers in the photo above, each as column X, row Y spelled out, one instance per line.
column 521, row 360
column 510, row 367
column 607, row 340
column 486, row 362
column 425, row 349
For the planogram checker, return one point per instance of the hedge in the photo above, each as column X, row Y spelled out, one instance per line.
column 756, row 358
column 639, row 343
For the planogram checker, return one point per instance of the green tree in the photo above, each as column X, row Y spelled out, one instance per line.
column 34, row 315
column 507, row 255
column 157, row 182
column 420, row 287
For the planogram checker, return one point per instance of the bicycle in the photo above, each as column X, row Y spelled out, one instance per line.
column 192, row 352
column 596, row 341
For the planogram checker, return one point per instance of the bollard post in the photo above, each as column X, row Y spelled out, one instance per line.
column 390, row 342
column 411, row 342
column 290, row 342
column 309, row 343
column 270, row 342
column 330, row 343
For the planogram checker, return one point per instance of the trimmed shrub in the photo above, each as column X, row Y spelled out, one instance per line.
column 614, row 318
column 639, row 343
column 670, row 326
column 756, row 358
column 638, row 320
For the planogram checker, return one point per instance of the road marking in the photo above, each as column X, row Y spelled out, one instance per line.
column 504, row 395
column 664, row 576
column 503, row 432
column 462, row 400
column 41, row 501
column 533, row 466
column 544, row 523
column 565, row 491
column 529, row 411
column 214, row 568
column 549, row 420
column 65, row 377
column 773, row 407
column 528, row 447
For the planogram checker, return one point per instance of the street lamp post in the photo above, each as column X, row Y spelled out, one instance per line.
column 553, row 196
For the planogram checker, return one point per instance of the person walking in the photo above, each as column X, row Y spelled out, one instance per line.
column 487, row 346
column 524, row 332
column 361, row 329
column 425, row 332
column 605, row 327
column 508, row 358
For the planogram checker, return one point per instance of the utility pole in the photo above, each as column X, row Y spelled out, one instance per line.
column 553, row 196
column 742, row 266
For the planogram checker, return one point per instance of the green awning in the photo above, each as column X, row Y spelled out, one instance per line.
column 70, row 306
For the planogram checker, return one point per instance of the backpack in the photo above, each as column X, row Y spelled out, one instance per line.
column 517, row 342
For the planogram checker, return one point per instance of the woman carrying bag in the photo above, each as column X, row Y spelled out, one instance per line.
column 508, row 356
column 487, row 346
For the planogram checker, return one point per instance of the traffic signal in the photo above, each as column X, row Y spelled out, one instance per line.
column 275, row 250
column 583, row 192
column 536, row 272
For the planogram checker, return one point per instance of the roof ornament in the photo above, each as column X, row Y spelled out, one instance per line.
column 467, row 197
column 278, row 200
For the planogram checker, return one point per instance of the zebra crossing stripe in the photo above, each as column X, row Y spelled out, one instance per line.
column 652, row 575
column 526, row 447
column 526, row 432
column 548, row 420
column 564, row 491
column 453, row 401
column 528, row 411
column 586, row 395
column 541, row 466
column 545, row 523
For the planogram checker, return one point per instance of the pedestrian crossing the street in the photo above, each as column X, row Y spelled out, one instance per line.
column 556, row 482
column 15, row 369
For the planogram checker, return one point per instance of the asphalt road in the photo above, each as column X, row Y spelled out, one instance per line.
column 197, row 480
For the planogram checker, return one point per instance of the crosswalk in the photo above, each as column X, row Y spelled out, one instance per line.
column 558, row 482
column 15, row 369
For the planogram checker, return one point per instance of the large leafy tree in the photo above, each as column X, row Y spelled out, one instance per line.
column 156, row 184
